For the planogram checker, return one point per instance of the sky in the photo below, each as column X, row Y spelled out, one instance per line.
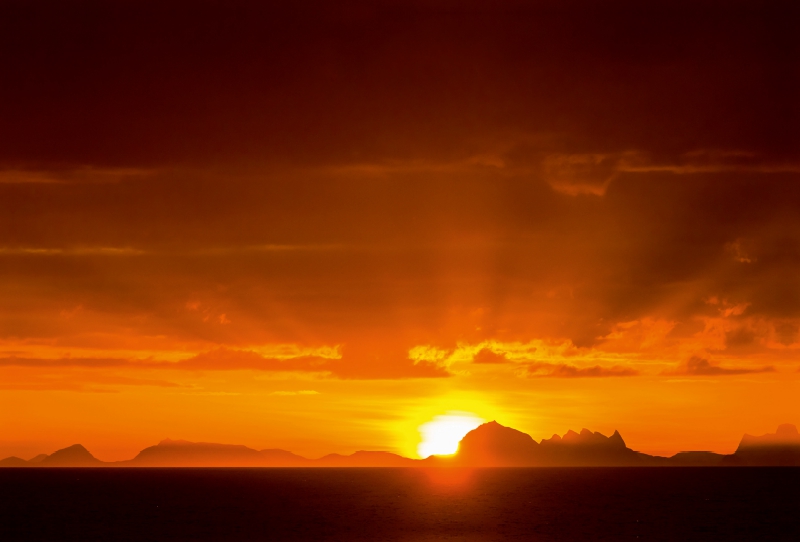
column 318, row 228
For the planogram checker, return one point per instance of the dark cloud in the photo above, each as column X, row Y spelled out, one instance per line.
column 739, row 337
column 786, row 332
column 696, row 366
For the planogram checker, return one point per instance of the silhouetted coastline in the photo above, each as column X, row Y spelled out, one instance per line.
column 490, row 445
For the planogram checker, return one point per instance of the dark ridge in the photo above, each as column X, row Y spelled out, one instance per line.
column 73, row 456
column 13, row 461
column 490, row 445
column 181, row 453
column 778, row 449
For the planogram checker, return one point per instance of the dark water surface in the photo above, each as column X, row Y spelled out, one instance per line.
column 400, row 504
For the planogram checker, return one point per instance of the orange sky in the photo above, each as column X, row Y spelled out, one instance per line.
column 317, row 229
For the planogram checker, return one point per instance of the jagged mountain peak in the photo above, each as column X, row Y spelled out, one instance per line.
column 617, row 439
column 585, row 438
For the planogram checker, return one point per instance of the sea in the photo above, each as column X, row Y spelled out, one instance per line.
column 409, row 505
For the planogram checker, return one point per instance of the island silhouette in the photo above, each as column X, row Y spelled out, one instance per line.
column 489, row 445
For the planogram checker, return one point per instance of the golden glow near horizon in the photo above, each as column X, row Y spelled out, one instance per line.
column 441, row 435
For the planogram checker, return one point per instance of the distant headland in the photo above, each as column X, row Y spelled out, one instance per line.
column 490, row 445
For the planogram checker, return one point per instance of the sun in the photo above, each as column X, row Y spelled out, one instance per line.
column 441, row 435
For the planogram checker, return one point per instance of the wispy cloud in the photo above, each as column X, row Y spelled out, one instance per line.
column 564, row 370
column 72, row 251
column 697, row 366
column 706, row 161
column 326, row 361
column 580, row 174
column 92, row 363
column 592, row 173
column 83, row 381
column 92, row 175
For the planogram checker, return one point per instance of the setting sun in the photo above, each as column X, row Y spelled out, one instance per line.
column 442, row 435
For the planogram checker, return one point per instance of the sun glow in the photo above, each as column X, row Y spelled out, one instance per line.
column 441, row 435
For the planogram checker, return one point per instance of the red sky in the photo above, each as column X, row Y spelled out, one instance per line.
column 318, row 228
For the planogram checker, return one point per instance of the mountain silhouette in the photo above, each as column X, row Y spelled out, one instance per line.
column 779, row 449
column 181, row 453
column 73, row 456
column 589, row 449
column 489, row 445
column 13, row 461
column 494, row 445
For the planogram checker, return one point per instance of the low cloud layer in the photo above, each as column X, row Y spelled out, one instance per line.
column 563, row 370
column 696, row 366
column 226, row 359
